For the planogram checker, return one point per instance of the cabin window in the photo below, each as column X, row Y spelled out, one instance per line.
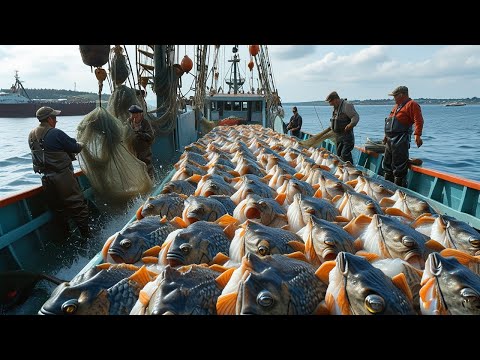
column 244, row 106
column 236, row 106
column 213, row 106
column 258, row 106
column 228, row 105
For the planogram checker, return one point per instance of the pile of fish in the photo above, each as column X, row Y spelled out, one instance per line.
column 254, row 223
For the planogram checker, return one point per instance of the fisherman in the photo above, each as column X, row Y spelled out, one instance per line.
column 52, row 154
column 143, row 137
column 344, row 119
column 398, row 132
column 295, row 123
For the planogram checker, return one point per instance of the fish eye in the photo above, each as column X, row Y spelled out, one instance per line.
column 474, row 242
column 126, row 243
column 374, row 303
column 263, row 250
column 185, row 248
column 408, row 241
column 265, row 299
column 329, row 242
column 70, row 307
column 470, row 298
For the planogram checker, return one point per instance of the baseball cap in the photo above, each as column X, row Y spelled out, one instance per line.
column 399, row 90
column 45, row 111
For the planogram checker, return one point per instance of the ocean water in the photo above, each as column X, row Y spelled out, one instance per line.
column 451, row 137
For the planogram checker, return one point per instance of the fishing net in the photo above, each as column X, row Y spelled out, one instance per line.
column 317, row 139
column 113, row 171
column 121, row 99
column 118, row 67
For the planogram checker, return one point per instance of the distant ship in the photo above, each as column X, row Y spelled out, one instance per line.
column 17, row 103
column 456, row 103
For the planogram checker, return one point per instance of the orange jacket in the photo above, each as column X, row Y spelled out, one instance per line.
column 410, row 114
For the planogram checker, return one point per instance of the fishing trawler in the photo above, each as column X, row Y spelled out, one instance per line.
column 26, row 227
column 17, row 103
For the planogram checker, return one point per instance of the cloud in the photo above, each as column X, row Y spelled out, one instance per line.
column 291, row 52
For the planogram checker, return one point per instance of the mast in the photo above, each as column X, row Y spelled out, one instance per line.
column 237, row 80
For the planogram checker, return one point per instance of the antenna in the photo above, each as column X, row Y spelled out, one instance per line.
column 74, row 86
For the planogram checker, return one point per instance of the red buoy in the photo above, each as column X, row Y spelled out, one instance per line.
column 250, row 65
column 254, row 49
column 186, row 64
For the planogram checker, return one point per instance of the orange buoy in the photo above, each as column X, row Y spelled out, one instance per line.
column 250, row 65
column 254, row 49
column 186, row 64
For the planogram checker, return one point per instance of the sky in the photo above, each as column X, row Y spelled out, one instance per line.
column 301, row 72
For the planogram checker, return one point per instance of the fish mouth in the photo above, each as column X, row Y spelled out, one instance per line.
column 119, row 256
column 192, row 217
column 209, row 192
column 415, row 259
column 175, row 259
column 342, row 263
column 329, row 254
column 252, row 213
column 116, row 256
column 43, row 311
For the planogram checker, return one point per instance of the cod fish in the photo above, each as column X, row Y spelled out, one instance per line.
column 450, row 233
column 324, row 240
column 201, row 242
column 410, row 205
column 449, row 288
column 265, row 210
column 128, row 246
column 303, row 207
column 374, row 188
column 273, row 285
column 358, row 288
column 212, row 184
column 353, row 204
column 107, row 290
column 390, row 238
column 179, row 186
column 263, row 240
column 198, row 208
column 169, row 205
column 187, row 290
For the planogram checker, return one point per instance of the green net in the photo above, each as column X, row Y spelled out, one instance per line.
column 113, row 171
column 121, row 99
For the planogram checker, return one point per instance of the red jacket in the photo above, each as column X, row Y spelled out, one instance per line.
column 410, row 114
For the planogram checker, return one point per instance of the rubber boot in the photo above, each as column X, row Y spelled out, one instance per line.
column 401, row 181
column 389, row 176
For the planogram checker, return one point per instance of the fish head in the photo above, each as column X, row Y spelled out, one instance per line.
column 390, row 238
column 127, row 249
column 448, row 287
column 263, row 294
column 198, row 208
column 330, row 239
column 456, row 234
column 87, row 298
column 196, row 244
column 259, row 208
column 357, row 288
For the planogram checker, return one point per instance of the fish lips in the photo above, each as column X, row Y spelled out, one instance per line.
column 175, row 259
column 120, row 257
column 414, row 258
column 329, row 253
column 252, row 212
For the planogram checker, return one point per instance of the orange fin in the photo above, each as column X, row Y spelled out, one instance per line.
column 358, row 245
column 297, row 255
column 298, row 175
column 226, row 304
column 107, row 245
column 266, row 178
column 280, row 198
column 352, row 183
column 164, row 219
column 141, row 276
column 367, row 255
column 434, row 245
column 218, row 268
column 138, row 214
column 355, row 226
column 400, row 281
column 397, row 212
column 386, row 202
column 143, row 297
column 318, row 193
column 297, row 246
column 230, row 231
column 463, row 258
column 336, row 198
column 321, row 309
column 226, row 220
column 150, row 259
column 194, row 178
column 220, row 259
column 179, row 221
column 324, row 270
column 340, row 218
column 153, row 251
column 104, row 266
column 224, row 278
column 422, row 219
